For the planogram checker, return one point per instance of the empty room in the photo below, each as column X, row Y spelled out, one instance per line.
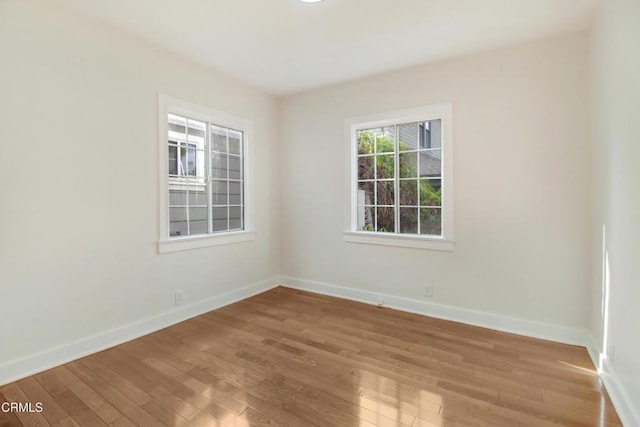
column 343, row 213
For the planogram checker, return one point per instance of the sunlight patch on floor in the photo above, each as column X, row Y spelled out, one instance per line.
column 578, row 368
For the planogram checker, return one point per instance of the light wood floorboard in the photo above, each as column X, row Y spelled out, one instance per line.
column 292, row 358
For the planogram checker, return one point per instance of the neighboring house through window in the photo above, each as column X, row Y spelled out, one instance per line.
column 425, row 135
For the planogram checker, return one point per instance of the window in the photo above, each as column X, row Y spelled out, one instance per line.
column 401, row 180
column 204, row 182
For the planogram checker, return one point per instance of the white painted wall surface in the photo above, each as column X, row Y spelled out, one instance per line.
column 616, row 195
column 79, row 172
column 522, row 184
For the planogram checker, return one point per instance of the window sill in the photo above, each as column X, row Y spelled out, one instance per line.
column 196, row 242
column 403, row 241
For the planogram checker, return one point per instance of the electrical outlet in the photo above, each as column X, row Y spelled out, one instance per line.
column 179, row 295
column 428, row 290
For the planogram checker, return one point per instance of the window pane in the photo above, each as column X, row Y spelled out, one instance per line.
column 235, row 193
column 385, row 166
column 365, row 193
column 190, row 163
column 409, row 220
column 196, row 130
column 430, row 192
column 366, row 217
column 431, row 221
column 386, row 193
column 220, row 219
column 434, row 128
column 198, row 227
column 186, row 137
column 409, row 193
column 197, row 214
column 218, row 139
column 187, row 159
column 175, row 120
column 177, row 197
column 408, row 165
column 366, row 141
column 235, row 142
column 198, row 196
column 425, row 135
column 198, row 222
column 386, row 220
column 385, row 140
column 177, row 128
column 365, row 167
column 235, row 218
column 219, row 192
column 379, row 140
column 430, row 163
column 408, row 136
column 219, row 165
column 173, row 159
column 187, row 220
column 178, row 222
column 187, row 207
column 235, row 167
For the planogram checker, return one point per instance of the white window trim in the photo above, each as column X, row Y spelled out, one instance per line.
column 166, row 105
column 446, row 242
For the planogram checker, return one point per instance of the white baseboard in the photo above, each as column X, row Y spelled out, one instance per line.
column 498, row 322
column 625, row 408
column 29, row 365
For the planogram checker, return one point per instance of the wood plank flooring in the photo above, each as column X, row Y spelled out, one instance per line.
column 291, row 358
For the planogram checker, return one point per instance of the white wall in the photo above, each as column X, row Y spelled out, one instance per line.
column 79, row 172
column 522, row 211
column 616, row 195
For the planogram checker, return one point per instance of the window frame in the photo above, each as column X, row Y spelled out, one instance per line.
column 170, row 105
column 443, row 112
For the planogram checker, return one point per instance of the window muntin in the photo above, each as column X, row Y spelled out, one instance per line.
column 205, row 177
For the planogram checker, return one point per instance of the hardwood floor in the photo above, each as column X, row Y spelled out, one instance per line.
column 290, row 358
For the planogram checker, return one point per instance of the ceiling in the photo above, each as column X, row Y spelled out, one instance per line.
column 286, row 46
